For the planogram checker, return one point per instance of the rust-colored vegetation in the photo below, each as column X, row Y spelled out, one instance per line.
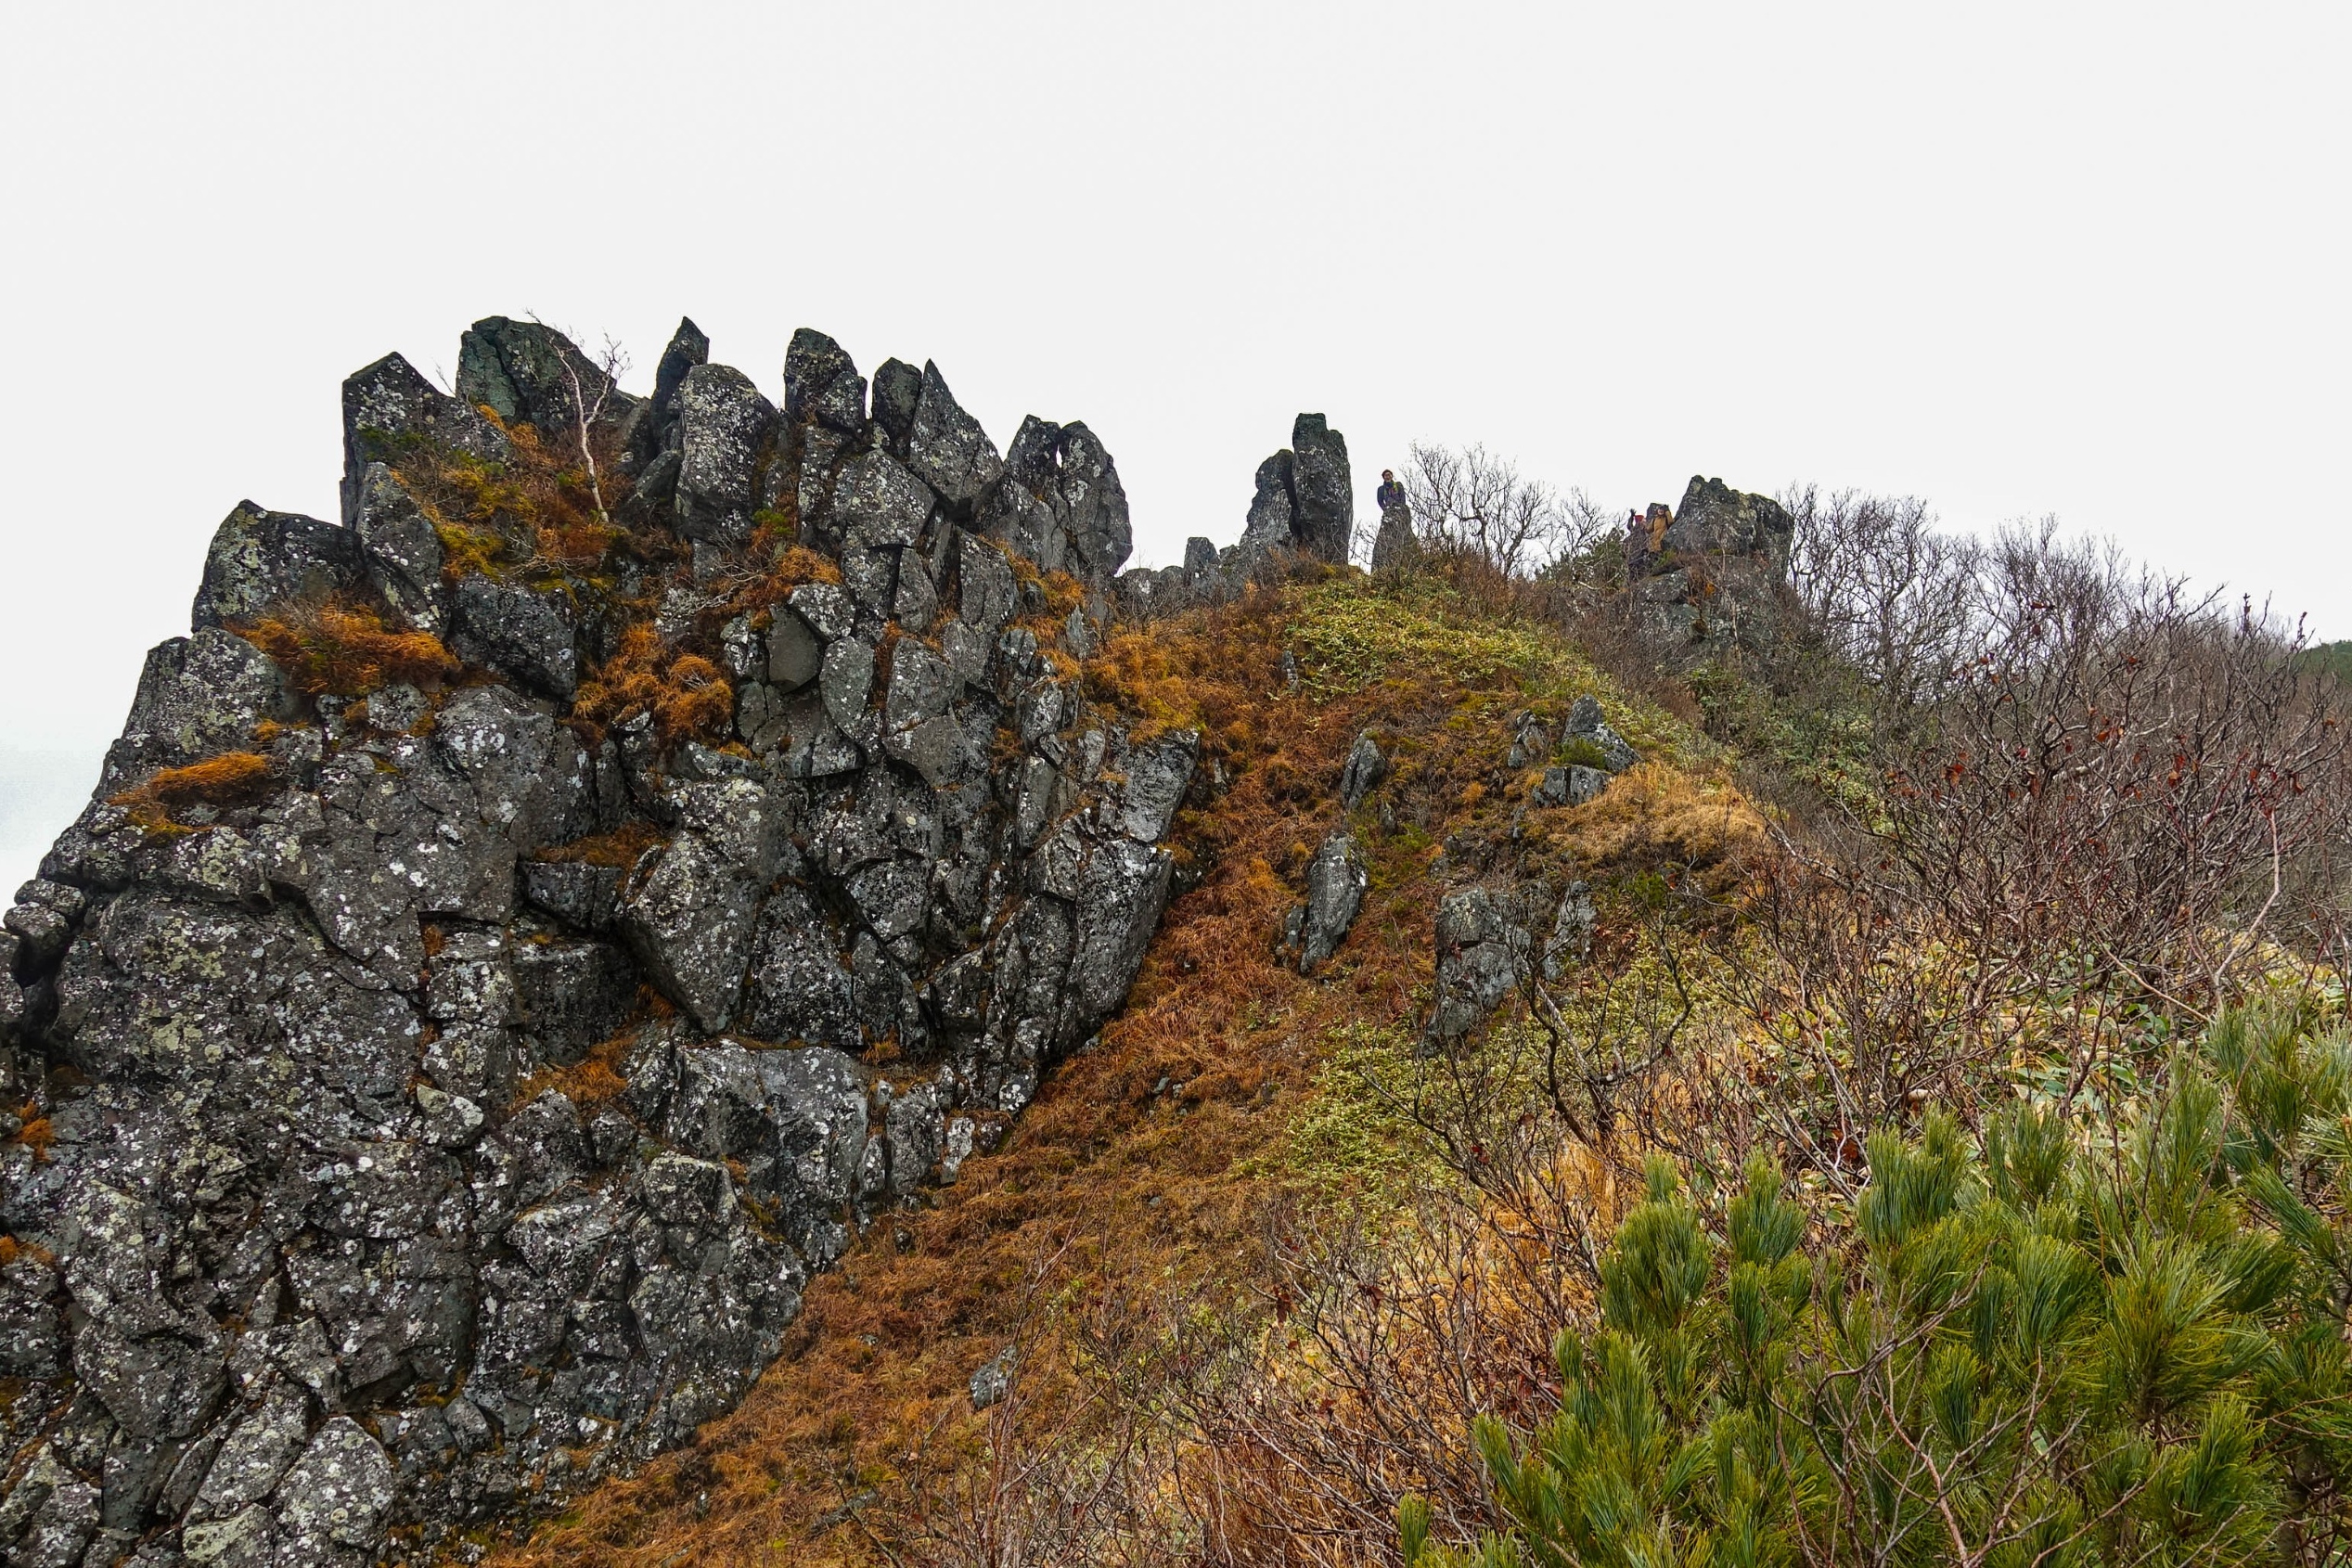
column 592, row 1082
column 226, row 782
column 345, row 650
column 533, row 515
column 232, row 779
column 790, row 565
column 688, row 695
column 38, row 1136
column 622, row 846
column 1147, row 1168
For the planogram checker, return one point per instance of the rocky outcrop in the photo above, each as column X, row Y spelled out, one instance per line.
column 437, row 1091
column 1365, row 768
column 1323, row 493
column 1305, row 498
column 1336, row 883
column 1707, row 576
column 1302, row 509
column 1578, row 762
column 1059, row 501
column 1494, row 936
column 1482, row 949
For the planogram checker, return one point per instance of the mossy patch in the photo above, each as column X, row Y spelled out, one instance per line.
column 1353, row 633
column 1351, row 1142
column 1358, row 632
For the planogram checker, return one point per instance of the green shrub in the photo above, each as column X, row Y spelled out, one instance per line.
column 1581, row 750
column 2065, row 1345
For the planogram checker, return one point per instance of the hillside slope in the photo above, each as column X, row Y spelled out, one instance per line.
column 1145, row 1177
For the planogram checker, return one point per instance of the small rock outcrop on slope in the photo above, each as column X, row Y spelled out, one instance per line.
column 1306, row 497
column 1709, row 573
column 1302, row 508
column 514, row 944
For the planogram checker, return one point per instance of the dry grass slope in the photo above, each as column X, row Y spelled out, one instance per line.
column 1145, row 1172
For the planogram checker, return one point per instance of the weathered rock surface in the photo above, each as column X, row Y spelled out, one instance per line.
column 721, row 419
column 1707, row 576
column 1363, row 770
column 260, row 561
column 1323, row 490
column 1585, row 723
column 389, row 407
column 459, row 1112
column 1395, row 545
column 526, row 372
column 1571, row 785
column 1482, row 951
column 1061, row 503
column 1336, row 883
column 1302, row 508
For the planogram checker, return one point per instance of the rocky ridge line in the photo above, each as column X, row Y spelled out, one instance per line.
column 436, row 1086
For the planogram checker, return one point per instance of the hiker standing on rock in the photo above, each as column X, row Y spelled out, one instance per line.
column 1394, row 545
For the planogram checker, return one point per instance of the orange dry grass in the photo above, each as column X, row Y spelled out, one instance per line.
column 686, row 694
column 38, row 1136
column 344, row 650
column 230, row 779
column 622, row 846
column 1105, row 1188
column 595, row 1080
column 798, row 564
column 791, row 566
column 540, row 501
column 1653, row 816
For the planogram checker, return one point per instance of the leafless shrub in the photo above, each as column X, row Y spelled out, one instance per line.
column 1072, row 1468
column 1883, row 589
column 1473, row 502
column 1376, row 1339
column 603, row 374
column 2089, row 795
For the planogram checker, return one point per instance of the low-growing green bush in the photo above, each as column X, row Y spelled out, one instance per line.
column 2064, row 1344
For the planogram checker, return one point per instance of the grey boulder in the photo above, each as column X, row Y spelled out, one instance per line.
column 401, row 551
column 1571, row 785
column 1061, row 503
column 528, row 633
column 1362, row 772
column 389, row 407
column 1482, row 955
column 1322, row 490
column 821, row 383
column 261, row 561
column 947, row 447
column 336, row 1496
column 527, row 371
column 721, row 420
column 1336, row 883
column 691, row 919
column 1585, row 723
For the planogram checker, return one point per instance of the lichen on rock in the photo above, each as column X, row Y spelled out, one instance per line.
column 454, row 1026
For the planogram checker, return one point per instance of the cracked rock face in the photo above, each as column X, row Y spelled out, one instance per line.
column 456, row 1110
column 1302, row 508
column 1483, row 950
column 1336, row 883
column 1708, row 573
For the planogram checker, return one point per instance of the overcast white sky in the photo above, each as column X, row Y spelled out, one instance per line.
column 2087, row 260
